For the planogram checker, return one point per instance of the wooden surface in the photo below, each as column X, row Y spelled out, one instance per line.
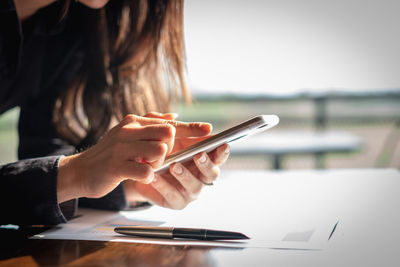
column 96, row 253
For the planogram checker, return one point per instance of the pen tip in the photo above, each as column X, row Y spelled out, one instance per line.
column 245, row 236
column 236, row 235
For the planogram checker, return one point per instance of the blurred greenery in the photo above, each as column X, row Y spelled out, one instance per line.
column 8, row 136
column 294, row 112
column 375, row 120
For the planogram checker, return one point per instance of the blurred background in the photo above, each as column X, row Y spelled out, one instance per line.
column 329, row 69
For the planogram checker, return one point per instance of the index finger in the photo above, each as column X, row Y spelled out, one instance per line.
column 183, row 129
column 191, row 129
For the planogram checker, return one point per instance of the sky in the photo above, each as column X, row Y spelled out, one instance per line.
column 283, row 46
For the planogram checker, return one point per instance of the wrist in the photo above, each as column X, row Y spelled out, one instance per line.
column 68, row 186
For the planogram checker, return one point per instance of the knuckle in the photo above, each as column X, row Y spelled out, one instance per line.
column 171, row 197
column 129, row 118
column 182, row 206
column 216, row 173
column 178, row 206
column 164, row 131
column 164, row 203
column 156, row 151
column 150, row 114
column 211, row 176
column 146, row 172
column 193, row 195
column 168, row 131
column 123, row 133
column 161, row 148
column 196, row 192
column 189, row 194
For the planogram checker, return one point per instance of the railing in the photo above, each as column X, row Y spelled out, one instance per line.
column 320, row 113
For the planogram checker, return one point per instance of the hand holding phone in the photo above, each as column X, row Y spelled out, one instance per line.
column 252, row 126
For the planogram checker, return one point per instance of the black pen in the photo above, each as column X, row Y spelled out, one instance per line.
column 173, row 232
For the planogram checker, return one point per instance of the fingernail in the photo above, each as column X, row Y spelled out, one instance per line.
column 205, row 126
column 227, row 150
column 174, row 115
column 203, row 158
column 178, row 169
column 208, row 126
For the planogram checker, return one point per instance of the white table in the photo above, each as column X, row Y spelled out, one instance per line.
column 366, row 203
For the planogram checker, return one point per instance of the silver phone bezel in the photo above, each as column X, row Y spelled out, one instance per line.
column 249, row 127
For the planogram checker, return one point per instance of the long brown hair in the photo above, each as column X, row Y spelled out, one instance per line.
column 134, row 63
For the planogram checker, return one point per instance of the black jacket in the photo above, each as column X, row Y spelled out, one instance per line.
column 37, row 61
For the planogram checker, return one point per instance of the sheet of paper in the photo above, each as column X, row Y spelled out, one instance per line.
column 273, row 212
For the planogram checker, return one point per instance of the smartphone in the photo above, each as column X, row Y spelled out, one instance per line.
column 252, row 126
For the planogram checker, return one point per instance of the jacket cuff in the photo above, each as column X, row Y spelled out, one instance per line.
column 49, row 209
column 69, row 208
column 29, row 192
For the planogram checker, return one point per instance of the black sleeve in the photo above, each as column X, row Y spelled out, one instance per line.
column 28, row 192
column 38, row 138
